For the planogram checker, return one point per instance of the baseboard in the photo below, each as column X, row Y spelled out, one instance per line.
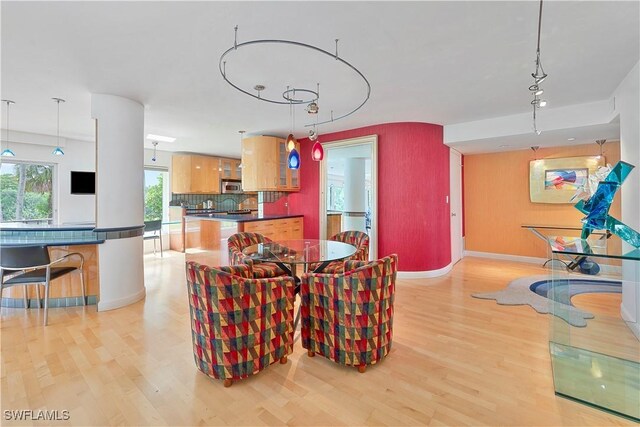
column 629, row 320
column 506, row 257
column 425, row 274
column 121, row 302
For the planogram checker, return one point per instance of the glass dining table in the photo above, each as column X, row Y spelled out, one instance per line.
column 289, row 255
column 305, row 253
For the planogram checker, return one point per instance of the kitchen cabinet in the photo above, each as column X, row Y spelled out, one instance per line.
column 277, row 229
column 195, row 174
column 230, row 169
column 264, row 165
column 288, row 179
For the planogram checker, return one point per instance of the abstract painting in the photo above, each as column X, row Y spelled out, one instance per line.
column 565, row 179
column 556, row 180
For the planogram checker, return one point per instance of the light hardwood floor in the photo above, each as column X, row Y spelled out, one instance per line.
column 455, row 360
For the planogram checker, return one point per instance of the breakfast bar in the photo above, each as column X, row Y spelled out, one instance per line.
column 60, row 240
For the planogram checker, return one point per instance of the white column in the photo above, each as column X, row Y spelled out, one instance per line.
column 354, row 195
column 119, row 197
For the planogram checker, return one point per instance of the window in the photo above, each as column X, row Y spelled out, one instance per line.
column 336, row 197
column 156, row 194
column 26, row 192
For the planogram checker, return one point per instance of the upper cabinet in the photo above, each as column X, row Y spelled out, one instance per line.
column 230, row 169
column 194, row 174
column 264, row 165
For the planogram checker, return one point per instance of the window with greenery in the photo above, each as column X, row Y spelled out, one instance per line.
column 336, row 198
column 154, row 194
column 26, row 192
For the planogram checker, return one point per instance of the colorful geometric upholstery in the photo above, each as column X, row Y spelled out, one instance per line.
column 261, row 270
column 355, row 238
column 358, row 239
column 239, row 325
column 348, row 318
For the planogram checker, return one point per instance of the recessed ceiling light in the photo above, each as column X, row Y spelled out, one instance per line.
column 160, row 138
column 571, row 139
column 504, row 146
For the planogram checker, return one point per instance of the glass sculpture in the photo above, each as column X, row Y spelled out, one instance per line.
column 597, row 207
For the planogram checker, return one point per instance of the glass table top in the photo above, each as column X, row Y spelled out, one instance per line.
column 300, row 251
column 596, row 247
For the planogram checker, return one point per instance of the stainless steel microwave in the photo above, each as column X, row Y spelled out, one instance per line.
column 230, row 186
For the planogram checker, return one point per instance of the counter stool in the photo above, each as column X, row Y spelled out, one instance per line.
column 31, row 265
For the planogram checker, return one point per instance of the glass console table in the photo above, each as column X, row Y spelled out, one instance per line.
column 597, row 364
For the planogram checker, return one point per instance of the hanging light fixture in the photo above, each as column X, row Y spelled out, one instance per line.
column 155, row 146
column 294, row 159
column 538, row 77
column 600, row 142
column 317, row 152
column 291, row 140
column 58, row 151
column 7, row 151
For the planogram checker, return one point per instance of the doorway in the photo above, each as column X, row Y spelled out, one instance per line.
column 349, row 189
column 455, row 204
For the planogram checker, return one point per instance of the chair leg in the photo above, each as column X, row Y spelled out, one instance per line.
column 84, row 297
column 26, row 297
column 283, row 360
column 46, row 303
column 228, row 382
column 161, row 254
column 362, row 368
column 310, row 353
column 38, row 296
column 154, row 246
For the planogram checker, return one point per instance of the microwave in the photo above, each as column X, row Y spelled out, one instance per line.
column 231, row 186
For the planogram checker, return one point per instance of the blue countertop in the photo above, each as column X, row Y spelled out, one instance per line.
column 7, row 242
column 20, row 226
column 239, row 218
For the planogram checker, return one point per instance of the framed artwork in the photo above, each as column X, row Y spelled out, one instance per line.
column 556, row 180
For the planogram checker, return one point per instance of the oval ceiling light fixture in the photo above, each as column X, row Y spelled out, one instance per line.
column 571, row 139
column 7, row 152
column 58, row 151
column 311, row 95
column 293, row 162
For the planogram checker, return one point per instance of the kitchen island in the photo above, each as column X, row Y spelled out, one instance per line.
column 208, row 244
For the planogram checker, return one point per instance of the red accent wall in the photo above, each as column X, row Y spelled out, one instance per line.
column 413, row 182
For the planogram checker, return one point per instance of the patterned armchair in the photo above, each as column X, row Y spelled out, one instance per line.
column 358, row 239
column 239, row 325
column 260, row 270
column 348, row 318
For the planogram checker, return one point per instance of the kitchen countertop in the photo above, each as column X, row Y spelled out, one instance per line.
column 239, row 218
column 19, row 226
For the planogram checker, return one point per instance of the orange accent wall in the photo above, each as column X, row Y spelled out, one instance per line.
column 496, row 200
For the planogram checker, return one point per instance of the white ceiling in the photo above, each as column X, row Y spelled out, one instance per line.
column 437, row 62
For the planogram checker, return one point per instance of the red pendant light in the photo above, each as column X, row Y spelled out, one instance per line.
column 317, row 152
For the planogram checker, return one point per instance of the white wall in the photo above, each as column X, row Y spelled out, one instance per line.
column 78, row 156
column 627, row 105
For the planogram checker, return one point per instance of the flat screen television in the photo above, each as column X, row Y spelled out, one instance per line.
column 83, row 182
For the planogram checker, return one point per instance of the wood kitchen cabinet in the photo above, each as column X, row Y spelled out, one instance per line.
column 276, row 229
column 264, row 165
column 230, row 169
column 195, row 174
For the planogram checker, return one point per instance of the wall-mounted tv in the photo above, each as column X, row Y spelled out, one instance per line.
column 83, row 182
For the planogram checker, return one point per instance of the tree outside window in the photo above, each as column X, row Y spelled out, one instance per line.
column 26, row 192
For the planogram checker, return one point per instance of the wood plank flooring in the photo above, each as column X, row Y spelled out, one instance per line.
column 455, row 360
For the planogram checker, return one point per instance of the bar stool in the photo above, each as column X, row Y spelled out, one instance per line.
column 31, row 265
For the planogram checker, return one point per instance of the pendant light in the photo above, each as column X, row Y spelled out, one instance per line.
column 600, row 143
column 291, row 140
column 317, row 152
column 7, row 151
column 294, row 159
column 155, row 146
column 58, row 151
